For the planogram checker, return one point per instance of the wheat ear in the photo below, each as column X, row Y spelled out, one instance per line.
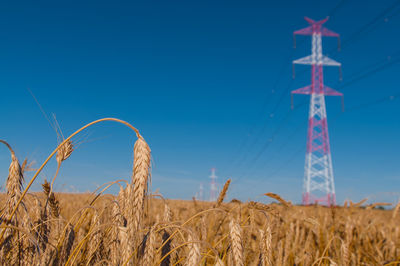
column 14, row 193
column 346, row 244
column 53, row 202
column 141, row 169
column 235, row 233
column 95, row 239
column 140, row 176
column 266, row 246
column 193, row 256
column 396, row 210
column 67, row 243
column 63, row 153
column 150, row 248
column 167, row 213
column 115, row 241
column 358, row 204
column 121, row 199
column 54, row 152
column 125, row 245
column 278, row 198
column 222, row 194
column 14, row 182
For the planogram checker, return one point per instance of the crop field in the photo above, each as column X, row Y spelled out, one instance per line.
column 140, row 227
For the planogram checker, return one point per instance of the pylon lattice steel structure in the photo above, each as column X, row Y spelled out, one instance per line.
column 318, row 186
column 213, row 185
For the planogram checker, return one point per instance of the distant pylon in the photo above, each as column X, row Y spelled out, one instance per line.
column 213, row 185
column 318, row 186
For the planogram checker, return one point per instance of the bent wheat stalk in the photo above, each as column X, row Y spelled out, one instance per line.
column 279, row 198
column 54, row 152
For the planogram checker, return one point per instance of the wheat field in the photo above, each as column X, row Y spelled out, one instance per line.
column 140, row 227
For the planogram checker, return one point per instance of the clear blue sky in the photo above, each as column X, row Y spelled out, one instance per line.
column 207, row 83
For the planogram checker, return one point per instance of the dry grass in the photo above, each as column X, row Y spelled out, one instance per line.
column 137, row 228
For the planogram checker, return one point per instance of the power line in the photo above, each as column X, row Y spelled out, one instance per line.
column 358, row 107
column 363, row 30
column 358, row 78
column 372, row 72
column 360, row 32
column 282, row 97
column 268, row 162
column 336, row 8
column 357, row 33
column 270, row 140
column 265, row 125
column 374, row 102
column 371, row 23
column 368, row 104
column 263, row 109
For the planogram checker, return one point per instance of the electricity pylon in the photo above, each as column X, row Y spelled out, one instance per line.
column 318, row 186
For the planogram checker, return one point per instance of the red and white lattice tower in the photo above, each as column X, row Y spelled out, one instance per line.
column 213, row 186
column 318, row 177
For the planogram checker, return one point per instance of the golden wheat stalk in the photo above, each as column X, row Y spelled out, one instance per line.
column 11, row 247
column 278, row 198
column 266, row 246
column 115, row 241
column 235, row 233
column 396, row 210
column 193, row 256
column 125, row 245
column 14, row 182
column 260, row 206
column 53, row 202
column 222, row 194
column 149, row 251
column 203, row 227
column 95, row 238
column 358, row 204
column 141, row 169
column 167, row 213
column 65, row 151
column 121, row 199
column 345, row 248
column 126, row 203
column 54, row 152
column 66, row 244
